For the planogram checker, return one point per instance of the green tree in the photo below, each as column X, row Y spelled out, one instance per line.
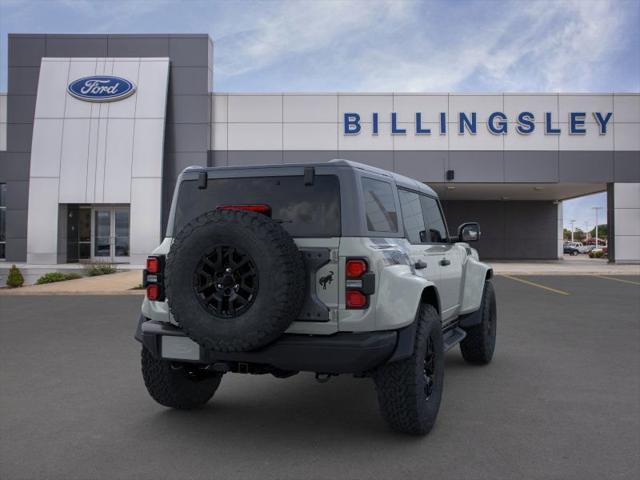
column 603, row 231
column 15, row 278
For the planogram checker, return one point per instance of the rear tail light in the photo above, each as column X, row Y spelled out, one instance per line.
column 356, row 299
column 152, row 278
column 153, row 291
column 356, row 267
column 153, row 265
column 258, row 208
column 360, row 283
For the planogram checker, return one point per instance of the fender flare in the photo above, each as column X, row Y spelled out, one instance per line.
column 474, row 275
column 407, row 335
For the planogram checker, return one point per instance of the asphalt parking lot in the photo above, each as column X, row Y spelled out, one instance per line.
column 561, row 400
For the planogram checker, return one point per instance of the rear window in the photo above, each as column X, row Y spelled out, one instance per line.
column 303, row 210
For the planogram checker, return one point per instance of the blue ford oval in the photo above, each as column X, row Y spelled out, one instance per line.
column 101, row 88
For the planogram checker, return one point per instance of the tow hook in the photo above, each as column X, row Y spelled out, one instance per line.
column 323, row 377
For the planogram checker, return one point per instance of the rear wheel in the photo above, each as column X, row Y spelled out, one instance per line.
column 178, row 385
column 479, row 344
column 410, row 390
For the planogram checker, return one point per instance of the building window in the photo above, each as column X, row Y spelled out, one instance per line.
column 3, row 223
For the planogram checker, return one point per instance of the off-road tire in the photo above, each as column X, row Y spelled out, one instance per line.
column 478, row 346
column 281, row 280
column 401, row 385
column 176, row 385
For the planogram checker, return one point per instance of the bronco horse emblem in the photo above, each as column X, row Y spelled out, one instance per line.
column 327, row 279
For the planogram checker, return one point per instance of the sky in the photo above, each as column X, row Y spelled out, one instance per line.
column 378, row 45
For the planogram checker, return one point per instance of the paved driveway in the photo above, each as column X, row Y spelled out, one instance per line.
column 561, row 400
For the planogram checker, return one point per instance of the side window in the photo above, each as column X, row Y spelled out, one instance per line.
column 380, row 206
column 412, row 216
column 436, row 231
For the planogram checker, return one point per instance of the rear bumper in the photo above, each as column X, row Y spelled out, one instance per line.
column 338, row 353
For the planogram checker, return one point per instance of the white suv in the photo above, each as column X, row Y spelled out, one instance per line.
column 328, row 268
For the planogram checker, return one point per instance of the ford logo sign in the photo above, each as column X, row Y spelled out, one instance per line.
column 101, row 88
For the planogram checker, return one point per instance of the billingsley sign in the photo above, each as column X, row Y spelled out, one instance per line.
column 497, row 123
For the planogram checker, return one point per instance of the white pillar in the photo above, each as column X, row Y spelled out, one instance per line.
column 626, row 224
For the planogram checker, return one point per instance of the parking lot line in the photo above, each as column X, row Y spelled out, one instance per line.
column 534, row 284
column 618, row 279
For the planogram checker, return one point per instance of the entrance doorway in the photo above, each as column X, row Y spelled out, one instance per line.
column 98, row 233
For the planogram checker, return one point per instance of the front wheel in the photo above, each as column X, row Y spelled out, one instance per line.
column 178, row 385
column 410, row 390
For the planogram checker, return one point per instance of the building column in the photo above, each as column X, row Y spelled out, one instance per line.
column 624, row 222
column 560, row 236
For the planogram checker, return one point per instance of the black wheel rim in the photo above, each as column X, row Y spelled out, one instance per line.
column 226, row 281
column 429, row 369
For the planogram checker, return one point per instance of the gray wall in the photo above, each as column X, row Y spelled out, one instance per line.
column 510, row 230
column 188, row 107
column 473, row 166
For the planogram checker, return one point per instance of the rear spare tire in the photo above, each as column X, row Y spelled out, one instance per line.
column 235, row 280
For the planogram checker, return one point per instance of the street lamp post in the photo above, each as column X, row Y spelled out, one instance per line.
column 586, row 231
column 596, row 209
column 572, row 228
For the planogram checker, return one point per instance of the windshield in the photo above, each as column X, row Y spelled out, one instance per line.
column 303, row 210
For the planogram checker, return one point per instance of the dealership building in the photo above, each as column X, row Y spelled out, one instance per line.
column 94, row 130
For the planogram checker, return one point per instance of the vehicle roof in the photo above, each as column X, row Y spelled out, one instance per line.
column 400, row 180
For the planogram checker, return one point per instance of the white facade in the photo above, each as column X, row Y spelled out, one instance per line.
column 627, row 221
column 314, row 121
column 97, row 153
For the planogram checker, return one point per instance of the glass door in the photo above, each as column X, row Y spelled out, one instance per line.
column 111, row 234
column 102, row 234
column 78, row 233
column 120, row 246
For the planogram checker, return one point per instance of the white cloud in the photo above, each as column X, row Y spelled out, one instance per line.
column 277, row 32
column 400, row 46
column 558, row 50
column 377, row 45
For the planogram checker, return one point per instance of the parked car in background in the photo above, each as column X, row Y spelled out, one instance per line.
column 573, row 248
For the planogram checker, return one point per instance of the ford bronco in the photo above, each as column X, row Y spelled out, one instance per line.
column 328, row 268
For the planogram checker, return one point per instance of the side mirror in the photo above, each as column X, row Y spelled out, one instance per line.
column 469, row 232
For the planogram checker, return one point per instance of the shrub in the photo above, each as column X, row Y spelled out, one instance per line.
column 596, row 254
column 52, row 277
column 15, row 278
column 100, row 269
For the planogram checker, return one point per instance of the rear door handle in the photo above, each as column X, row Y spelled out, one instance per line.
column 419, row 265
column 444, row 262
